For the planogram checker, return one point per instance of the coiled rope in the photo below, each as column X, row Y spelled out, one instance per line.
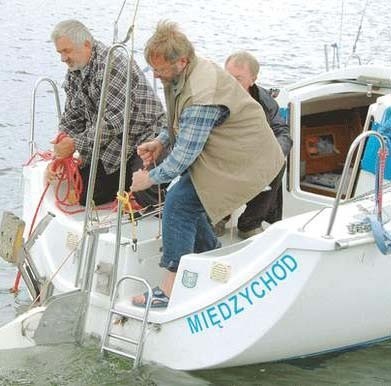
column 67, row 172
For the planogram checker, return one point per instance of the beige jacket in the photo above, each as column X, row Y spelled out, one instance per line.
column 241, row 156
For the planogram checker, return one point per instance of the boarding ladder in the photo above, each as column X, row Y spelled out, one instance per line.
column 90, row 233
column 89, row 242
column 135, row 343
column 109, row 336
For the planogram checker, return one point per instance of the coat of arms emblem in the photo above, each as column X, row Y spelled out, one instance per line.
column 189, row 279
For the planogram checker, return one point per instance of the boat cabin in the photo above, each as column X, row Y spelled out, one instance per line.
column 325, row 116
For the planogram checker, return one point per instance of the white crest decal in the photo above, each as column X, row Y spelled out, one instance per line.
column 189, row 279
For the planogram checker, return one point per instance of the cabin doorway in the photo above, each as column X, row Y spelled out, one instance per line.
column 324, row 122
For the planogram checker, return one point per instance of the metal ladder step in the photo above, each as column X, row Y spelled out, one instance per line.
column 108, row 335
column 119, row 352
column 125, row 314
column 123, row 338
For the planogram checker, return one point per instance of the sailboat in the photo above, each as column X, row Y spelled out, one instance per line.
column 314, row 282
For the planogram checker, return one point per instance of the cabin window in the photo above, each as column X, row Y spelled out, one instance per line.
column 325, row 142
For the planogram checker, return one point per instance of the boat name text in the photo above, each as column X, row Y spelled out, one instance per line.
column 239, row 302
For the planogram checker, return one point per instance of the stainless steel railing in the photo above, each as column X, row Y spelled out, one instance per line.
column 32, row 146
column 90, row 237
column 345, row 173
column 95, row 157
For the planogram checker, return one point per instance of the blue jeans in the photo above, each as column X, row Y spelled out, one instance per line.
column 186, row 228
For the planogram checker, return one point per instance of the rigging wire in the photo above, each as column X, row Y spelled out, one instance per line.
column 354, row 55
column 115, row 34
column 341, row 24
column 131, row 27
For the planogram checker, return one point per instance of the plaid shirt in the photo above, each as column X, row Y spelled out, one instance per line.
column 83, row 89
column 195, row 124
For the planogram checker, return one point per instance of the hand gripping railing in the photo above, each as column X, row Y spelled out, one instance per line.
column 345, row 173
column 32, row 146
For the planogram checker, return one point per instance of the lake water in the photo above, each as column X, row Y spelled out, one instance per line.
column 287, row 36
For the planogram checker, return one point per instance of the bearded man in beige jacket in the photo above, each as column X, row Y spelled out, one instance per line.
column 222, row 148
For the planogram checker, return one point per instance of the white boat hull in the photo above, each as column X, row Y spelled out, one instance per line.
column 288, row 292
column 322, row 301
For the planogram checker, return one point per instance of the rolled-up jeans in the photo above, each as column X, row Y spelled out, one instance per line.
column 185, row 225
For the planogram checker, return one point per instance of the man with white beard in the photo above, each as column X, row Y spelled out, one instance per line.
column 86, row 60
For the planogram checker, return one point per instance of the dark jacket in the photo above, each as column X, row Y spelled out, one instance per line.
column 276, row 122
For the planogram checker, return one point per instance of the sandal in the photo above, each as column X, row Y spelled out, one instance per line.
column 159, row 299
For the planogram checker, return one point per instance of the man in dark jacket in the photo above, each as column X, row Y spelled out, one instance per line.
column 266, row 206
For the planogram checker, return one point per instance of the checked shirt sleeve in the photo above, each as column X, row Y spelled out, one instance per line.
column 195, row 124
column 164, row 137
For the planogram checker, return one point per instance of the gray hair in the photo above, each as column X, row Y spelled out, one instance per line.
column 74, row 30
column 243, row 57
column 169, row 42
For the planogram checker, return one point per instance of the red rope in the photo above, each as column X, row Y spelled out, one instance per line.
column 67, row 170
column 46, row 156
column 15, row 288
column 68, row 174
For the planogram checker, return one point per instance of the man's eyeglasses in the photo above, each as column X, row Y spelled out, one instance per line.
column 163, row 70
